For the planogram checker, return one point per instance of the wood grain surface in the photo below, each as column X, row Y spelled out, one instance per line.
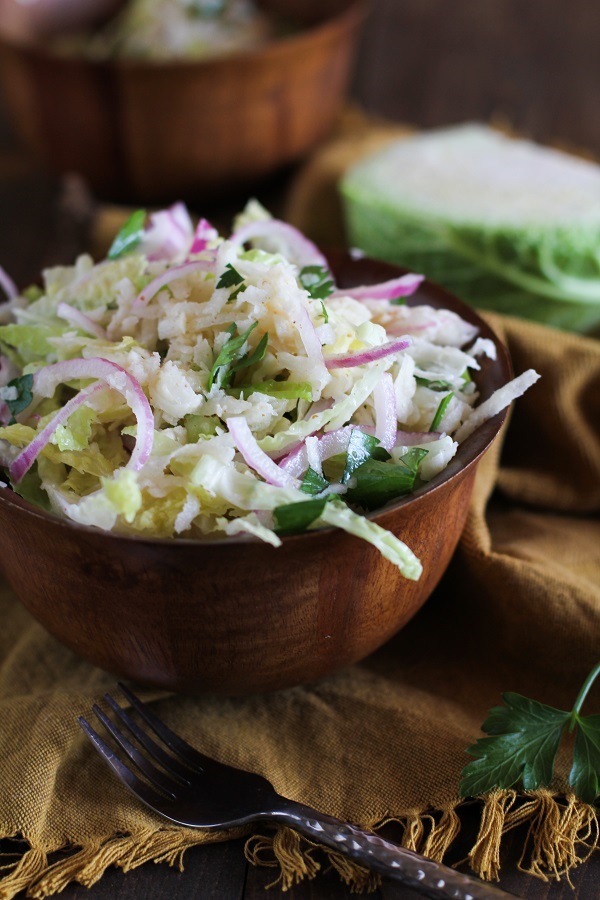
column 536, row 66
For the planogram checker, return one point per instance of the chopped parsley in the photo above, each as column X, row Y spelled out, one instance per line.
column 129, row 236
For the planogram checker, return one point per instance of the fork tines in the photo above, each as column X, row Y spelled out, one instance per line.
column 176, row 766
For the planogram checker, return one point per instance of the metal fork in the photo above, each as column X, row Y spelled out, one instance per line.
column 191, row 789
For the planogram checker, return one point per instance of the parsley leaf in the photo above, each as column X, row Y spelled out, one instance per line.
column 221, row 372
column 526, row 735
column 398, row 301
column 361, row 447
column 313, row 483
column 439, row 413
column 585, row 772
column 379, row 482
column 523, row 743
column 249, row 359
column 129, row 236
column 317, row 281
column 230, row 277
column 294, row 517
column 18, row 395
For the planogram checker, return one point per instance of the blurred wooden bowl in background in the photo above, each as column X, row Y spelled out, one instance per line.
column 148, row 132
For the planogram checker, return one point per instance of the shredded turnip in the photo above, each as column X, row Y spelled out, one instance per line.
column 384, row 401
column 285, row 238
column 182, row 271
column 403, row 286
column 256, row 458
column 308, row 334
column 499, row 400
column 80, row 320
column 414, row 438
column 367, row 356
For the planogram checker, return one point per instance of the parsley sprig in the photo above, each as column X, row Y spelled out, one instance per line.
column 317, row 281
column 232, row 357
column 523, row 743
column 129, row 236
column 17, row 395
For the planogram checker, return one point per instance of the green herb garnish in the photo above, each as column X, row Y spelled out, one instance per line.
column 524, row 741
column 222, row 372
column 377, row 483
column 129, row 236
column 317, row 281
column 361, row 447
column 18, row 395
column 250, row 359
column 313, row 483
column 230, row 277
column 295, row 517
column 439, row 413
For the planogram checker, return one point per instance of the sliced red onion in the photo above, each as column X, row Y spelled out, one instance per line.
column 5, row 415
column 296, row 463
column 407, row 438
column 170, row 233
column 256, row 458
column 8, row 285
column 203, row 234
column 23, row 462
column 80, row 320
column 403, row 286
column 386, row 421
column 181, row 271
column 367, row 356
column 288, row 240
column 108, row 373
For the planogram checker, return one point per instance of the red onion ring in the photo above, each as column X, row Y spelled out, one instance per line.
column 292, row 243
column 47, row 379
column 80, row 320
column 256, row 458
column 367, row 356
column 197, row 265
column 403, row 286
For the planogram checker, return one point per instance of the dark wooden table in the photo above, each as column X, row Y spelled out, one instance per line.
column 534, row 66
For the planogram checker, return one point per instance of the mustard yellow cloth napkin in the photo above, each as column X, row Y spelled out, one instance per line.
column 518, row 609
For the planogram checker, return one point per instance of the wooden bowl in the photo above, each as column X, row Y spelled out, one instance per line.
column 147, row 132
column 238, row 616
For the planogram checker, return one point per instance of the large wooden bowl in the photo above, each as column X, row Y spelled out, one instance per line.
column 238, row 616
column 147, row 132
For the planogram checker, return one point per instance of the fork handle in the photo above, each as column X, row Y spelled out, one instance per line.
column 430, row 878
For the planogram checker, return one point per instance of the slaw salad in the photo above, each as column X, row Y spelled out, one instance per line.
column 196, row 386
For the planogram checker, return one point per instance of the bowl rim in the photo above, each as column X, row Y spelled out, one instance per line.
column 351, row 16
column 468, row 454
